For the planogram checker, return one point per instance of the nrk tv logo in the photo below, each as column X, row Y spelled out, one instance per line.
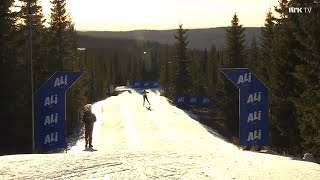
column 300, row 10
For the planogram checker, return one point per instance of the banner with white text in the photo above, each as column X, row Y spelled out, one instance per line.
column 51, row 110
column 253, row 106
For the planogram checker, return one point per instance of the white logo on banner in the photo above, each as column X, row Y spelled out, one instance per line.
column 244, row 78
column 53, row 99
column 180, row 99
column 254, row 116
column 53, row 118
column 205, row 100
column 254, row 135
column 61, row 81
column 193, row 100
column 53, row 137
column 254, row 97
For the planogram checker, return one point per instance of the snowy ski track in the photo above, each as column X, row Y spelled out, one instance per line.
column 131, row 142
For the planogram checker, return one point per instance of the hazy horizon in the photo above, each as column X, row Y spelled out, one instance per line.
column 125, row 15
column 163, row 29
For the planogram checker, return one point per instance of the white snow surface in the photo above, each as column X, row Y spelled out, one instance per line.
column 131, row 142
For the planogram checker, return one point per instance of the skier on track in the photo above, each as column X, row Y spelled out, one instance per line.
column 145, row 97
column 88, row 118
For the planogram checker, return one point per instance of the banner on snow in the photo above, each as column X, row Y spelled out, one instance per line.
column 51, row 110
column 145, row 84
column 193, row 100
column 253, row 106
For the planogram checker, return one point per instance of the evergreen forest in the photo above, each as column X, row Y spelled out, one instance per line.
column 286, row 57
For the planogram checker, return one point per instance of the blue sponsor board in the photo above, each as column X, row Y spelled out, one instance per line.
column 145, row 84
column 182, row 100
column 253, row 106
column 50, row 110
column 193, row 100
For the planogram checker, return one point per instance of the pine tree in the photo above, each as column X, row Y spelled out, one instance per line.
column 203, row 72
column 182, row 63
column 233, row 58
column 39, row 40
column 212, row 72
column 22, row 70
column 6, row 28
column 282, row 84
column 234, row 49
column 169, row 71
column 253, row 56
column 7, row 65
column 307, row 72
column 164, row 69
column 204, row 62
column 58, row 24
column 267, row 40
column 76, row 95
column 64, row 56
column 197, row 71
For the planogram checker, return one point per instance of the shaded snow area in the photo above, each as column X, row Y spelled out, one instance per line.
column 132, row 142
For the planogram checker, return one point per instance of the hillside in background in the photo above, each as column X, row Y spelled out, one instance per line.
column 198, row 38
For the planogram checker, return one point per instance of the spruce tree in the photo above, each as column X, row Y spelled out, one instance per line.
column 58, row 24
column 194, row 71
column 22, row 69
column 6, row 29
column 7, row 65
column 212, row 72
column 39, row 39
column 307, row 34
column 203, row 72
column 282, row 84
column 182, row 63
column 64, row 56
column 233, row 58
column 76, row 95
column 164, row 70
column 204, row 62
column 253, row 56
column 234, row 49
column 266, row 44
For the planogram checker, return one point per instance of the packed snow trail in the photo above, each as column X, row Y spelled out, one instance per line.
column 132, row 142
column 125, row 125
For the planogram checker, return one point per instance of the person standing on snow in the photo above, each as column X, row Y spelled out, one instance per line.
column 89, row 119
column 145, row 97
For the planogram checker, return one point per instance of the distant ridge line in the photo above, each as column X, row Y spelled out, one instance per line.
column 199, row 38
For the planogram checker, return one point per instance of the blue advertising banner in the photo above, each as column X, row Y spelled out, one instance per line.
column 253, row 106
column 145, row 84
column 193, row 100
column 182, row 100
column 136, row 84
column 50, row 110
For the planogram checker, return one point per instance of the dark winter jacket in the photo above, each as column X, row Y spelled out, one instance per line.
column 145, row 93
column 89, row 118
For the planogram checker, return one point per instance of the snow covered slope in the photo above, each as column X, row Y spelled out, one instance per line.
column 131, row 142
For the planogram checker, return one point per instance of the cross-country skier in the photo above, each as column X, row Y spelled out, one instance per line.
column 145, row 97
column 88, row 118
